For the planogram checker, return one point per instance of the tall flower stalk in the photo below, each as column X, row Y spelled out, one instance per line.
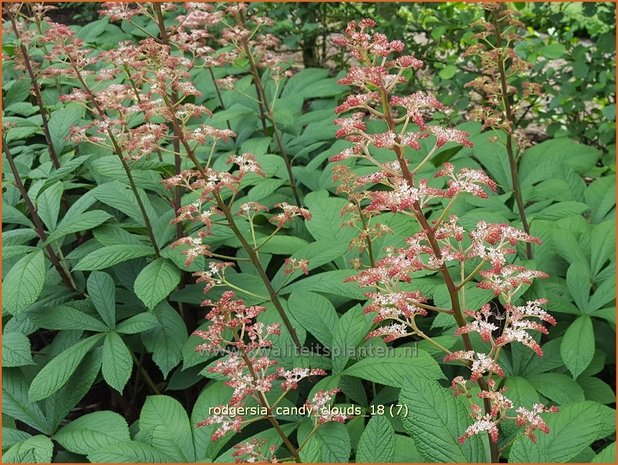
column 257, row 49
column 379, row 121
column 500, row 67
column 23, row 37
column 69, row 57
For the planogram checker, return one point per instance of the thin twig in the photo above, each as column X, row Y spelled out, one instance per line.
column 37, row 95
column 513, row 165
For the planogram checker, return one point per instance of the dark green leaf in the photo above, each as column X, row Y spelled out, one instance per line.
column 102, row 293
column 15, row 350
column 112, row 255
column 156, row 281
column 436, row 419
column 577, row 348
column 377, row 443
column 23, row 283
column 93, row 432
column 117, row 362
column 57, row 372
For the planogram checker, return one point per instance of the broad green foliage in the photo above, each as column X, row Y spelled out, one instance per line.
column 102, row 291
column 433, row 418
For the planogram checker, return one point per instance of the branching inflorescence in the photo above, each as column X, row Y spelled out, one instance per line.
column 503, row 108
column 377, row 119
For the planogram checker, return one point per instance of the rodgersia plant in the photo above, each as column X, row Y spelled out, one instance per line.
column 146, row 174
column 393, row 134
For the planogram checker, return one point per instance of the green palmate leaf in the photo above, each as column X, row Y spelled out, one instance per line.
column 37, row 449
column 559, row 151
column 558, row 387
column 84, row 222
column 597, row 390
column 328, row 282
column 166, row 340
column 15, row 350
column 521, row 392
column 311, row 451
column 282, row 245
column 15, row 251
column 577, row 347
column 553, row 51
column 60, row 124
column 121, row 197
column 138, row 324
column 264, row 189
column 63, row 401
column 11, row 436
column 18, row 91
column 117, row 362
column 571, row 430
column 317, row 253
column 258, row 146
column 396, row 367
column 64, row 317
column 562, row 210
column 436, row 420
column 48, row 204
column 57, row 372
column 321, row 89
column 102, row 293
column 564, row 244
column 15, row 402
column 493, row 157
column 334, row 441
column 604, row 294
column 448, row 72
column 600, row 196
column 129, row 452
column 23, row 283
column 316, row 313
column 93, row 432
column 156, row 281
column 165, row 426
column 377, row 443
column 326, row 221
column 92, row 30
column 602, row 245
column 111, row 167
column 12, row 215
column 406, row 450
column 112, row 255
column 578, row 281
column 350, row 331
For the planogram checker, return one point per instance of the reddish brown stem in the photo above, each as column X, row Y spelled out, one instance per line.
column 453, row 291
column 36, row 219
column 508, row 114
column 37, row 95
column 176, row 196
column 274, row 298
column 266, row 112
